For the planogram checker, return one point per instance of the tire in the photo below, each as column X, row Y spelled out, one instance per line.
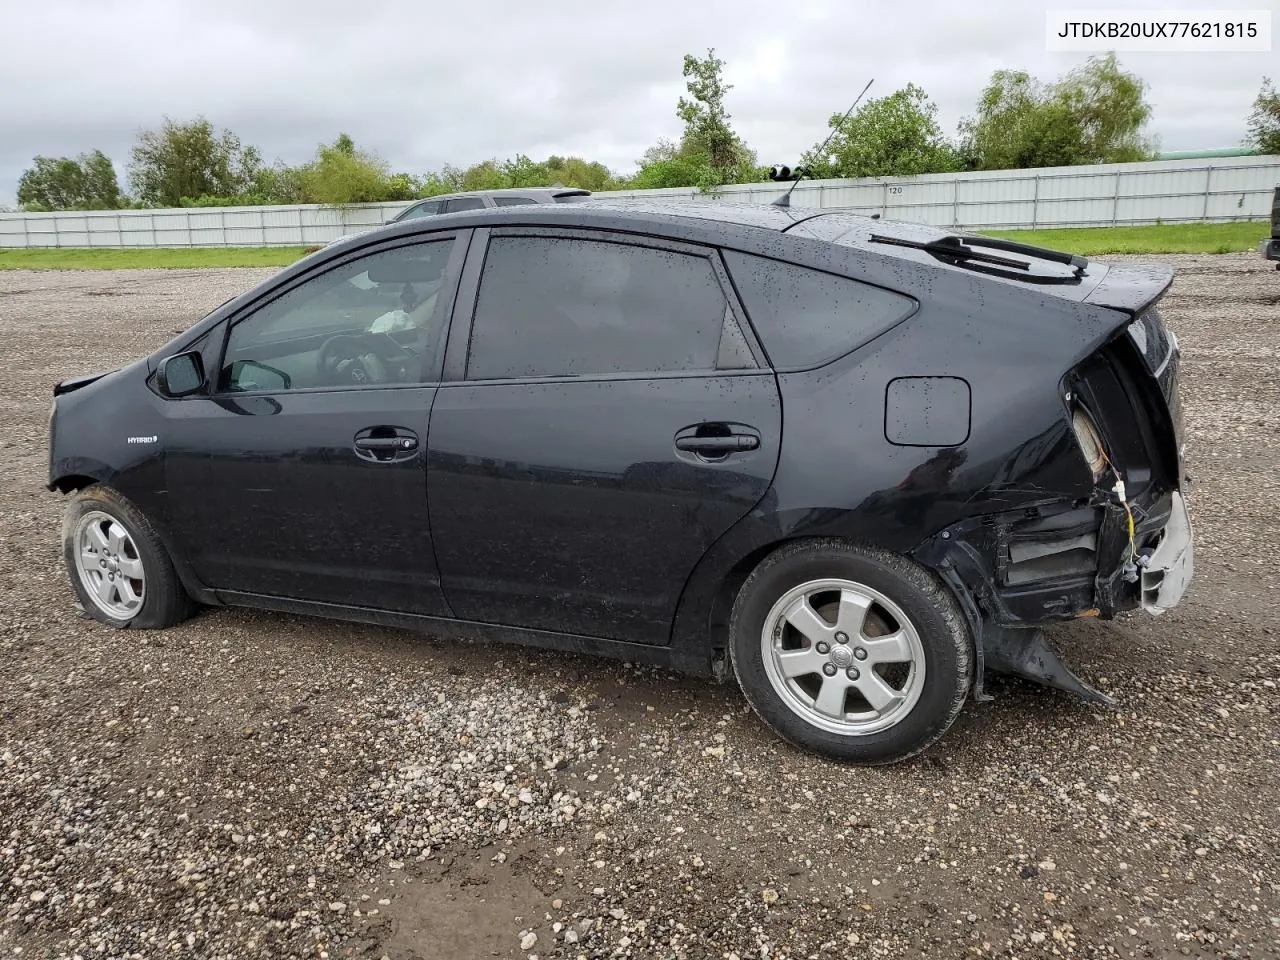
column 887, row 691
column 126, row 577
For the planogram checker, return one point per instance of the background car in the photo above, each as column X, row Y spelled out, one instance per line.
column 854, row 463
column 481, row 199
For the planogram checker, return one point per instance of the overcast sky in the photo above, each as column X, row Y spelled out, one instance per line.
column 424, row 83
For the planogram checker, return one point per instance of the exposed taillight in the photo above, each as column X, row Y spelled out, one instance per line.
column 1090, row 441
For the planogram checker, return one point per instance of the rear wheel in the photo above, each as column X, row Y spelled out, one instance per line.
column 851, row 653
column 117, row 564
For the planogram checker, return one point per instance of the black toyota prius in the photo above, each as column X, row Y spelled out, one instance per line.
column 854, row 463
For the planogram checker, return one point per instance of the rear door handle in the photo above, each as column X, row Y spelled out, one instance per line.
column 716, row 441
column 718, row 445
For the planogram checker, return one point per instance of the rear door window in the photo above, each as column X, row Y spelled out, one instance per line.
column 565, row 307
column 512, row 201
column 806, row 318
column 463, row 203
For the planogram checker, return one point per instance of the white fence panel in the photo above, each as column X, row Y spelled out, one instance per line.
column 1225, row 188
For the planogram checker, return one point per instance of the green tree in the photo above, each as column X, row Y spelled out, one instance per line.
column 665, row 165
column 1264, row 122
column 1094, row 114
column 523, row 172
column 577, row 172
column 446, row 180
column 342, row 174
column 707, row 133
column 894, row 135
column 486, row 175
column 401, row 186
column 709, row 153
column 279, row 183
column 60, row 183
column 1111, row 110
column 1019, row 124
column 188, row 160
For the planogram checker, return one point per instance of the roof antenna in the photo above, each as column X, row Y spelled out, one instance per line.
column 782, row 172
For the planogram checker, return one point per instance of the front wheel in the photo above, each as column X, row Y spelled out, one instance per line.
column 852, row 653
column 119, row 568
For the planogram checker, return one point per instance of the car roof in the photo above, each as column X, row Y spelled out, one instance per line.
column 650, row 209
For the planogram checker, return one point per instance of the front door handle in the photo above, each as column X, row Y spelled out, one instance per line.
column 386, row 444
column 716, row 446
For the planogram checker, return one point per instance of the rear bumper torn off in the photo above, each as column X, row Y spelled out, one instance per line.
column 1169, row 569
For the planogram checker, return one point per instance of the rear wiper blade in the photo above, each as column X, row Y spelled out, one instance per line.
column 961, row 248
column 951, row 247
column 1042, row 253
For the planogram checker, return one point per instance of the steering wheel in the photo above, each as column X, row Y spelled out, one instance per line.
column 357, row 360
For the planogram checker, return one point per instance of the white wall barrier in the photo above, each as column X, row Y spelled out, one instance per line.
column 1171, row 191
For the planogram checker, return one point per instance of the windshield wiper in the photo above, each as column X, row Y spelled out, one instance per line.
column 961, row 248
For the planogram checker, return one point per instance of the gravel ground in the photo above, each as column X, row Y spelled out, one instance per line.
column 254, row 785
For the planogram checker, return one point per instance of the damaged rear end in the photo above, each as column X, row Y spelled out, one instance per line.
column 1127, row 416
column 1125, row 545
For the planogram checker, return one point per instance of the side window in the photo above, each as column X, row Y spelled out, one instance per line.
column 805, row 317
column 428, row 209
column 512, row 201
column 463, row 203
column 560, row 307
column 370, row 321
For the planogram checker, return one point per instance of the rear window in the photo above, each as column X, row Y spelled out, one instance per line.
column 513, row 201
column 463, row 203
column 806, row 318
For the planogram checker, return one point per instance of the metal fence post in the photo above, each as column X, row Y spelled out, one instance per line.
column 1115, row 201
column 955, row 201
column 1035, row 201
column 302, row 233
column 1208, row 180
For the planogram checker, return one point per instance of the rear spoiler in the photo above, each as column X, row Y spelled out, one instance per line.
column 1131, row 288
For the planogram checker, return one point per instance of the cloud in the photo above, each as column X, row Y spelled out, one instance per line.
column 425, row 84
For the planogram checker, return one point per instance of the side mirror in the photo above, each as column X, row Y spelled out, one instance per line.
column 180, row 375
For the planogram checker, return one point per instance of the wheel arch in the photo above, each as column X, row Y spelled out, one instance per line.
column 73, row 482
column 70, row 483
column 703, row 636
